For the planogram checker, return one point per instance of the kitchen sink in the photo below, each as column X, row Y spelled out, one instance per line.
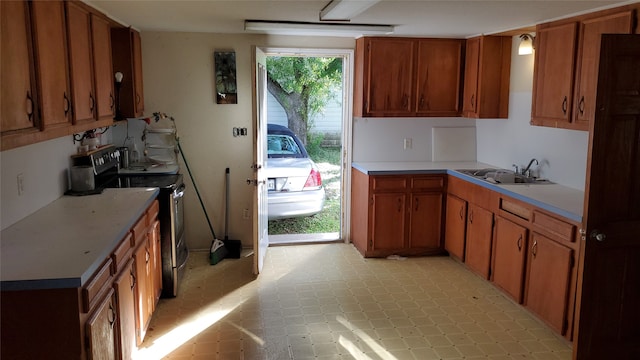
column 503, row 177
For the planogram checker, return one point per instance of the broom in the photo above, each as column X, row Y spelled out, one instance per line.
column 234, row 247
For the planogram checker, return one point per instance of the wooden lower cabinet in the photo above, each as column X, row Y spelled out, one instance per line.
column 455, row 226
column 548, row 281
column 509, row 255
column 478, row 243
column 102, row 330
column 126, row 290
column 397, row 214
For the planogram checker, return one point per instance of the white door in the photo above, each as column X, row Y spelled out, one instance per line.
column 260, row 222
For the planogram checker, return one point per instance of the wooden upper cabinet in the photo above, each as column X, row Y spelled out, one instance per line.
column 410, row 77
column 50, row 38
column 80, row 58
column 103, row 67
column 438, row 77
column 17, row 86
column 566, row 67
column 127, row 59
column 487, row 76
column 553, row 75
column 587, row 68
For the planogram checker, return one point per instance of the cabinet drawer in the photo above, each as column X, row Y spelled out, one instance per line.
column 152, row 213
column 389, row 183
column 554, row 227
column 122, row 253
column 99, row 284
column 139, row 231
column 515, row 208
column 427, row 183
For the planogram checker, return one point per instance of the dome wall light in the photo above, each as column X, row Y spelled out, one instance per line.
column 526, row 44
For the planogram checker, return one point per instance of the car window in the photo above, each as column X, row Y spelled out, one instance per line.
column 280, row 144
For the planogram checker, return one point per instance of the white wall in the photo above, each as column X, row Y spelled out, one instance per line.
column 562, row 153
column 178, row 80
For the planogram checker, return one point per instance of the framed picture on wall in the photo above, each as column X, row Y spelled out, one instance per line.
column 225, row 72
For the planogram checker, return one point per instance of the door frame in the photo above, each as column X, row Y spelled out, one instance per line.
column 347, row 121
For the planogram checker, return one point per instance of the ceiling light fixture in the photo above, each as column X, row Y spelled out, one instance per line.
column 345, row 10
column 526, row 44
column 315, row 29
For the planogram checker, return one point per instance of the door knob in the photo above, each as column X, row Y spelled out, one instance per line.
column 595, row 234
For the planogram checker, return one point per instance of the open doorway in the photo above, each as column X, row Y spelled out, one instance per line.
column 308, row 95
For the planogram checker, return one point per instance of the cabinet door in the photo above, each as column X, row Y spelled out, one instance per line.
column 51, row 53
column 478, row 245
column 509, row 251
column 101, row 330
column 103, row 68
column 156, row 263
column 438, row 77
column 388, row 221
column 553, row 75
column 144, row 290
column 137, row 73
column 125, row 287
column 17, row 69
column 79, row 34
column 548, row 281
column 389, row 89
column 455, row 226
column 425, row 226
column 471, row 69
column 588, row 61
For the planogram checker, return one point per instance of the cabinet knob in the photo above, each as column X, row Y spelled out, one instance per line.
column 564, row 106
column 597, row 235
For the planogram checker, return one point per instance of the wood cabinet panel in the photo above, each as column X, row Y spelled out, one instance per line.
column 50, row 39
column 137, row 73
column 509, row 255
column 101, row 330
column 17, row 87
column 127, row 59
column 548, row 280
column 588, row 60
column 103, row 68
column 81, row 63
column 438, row 71
column 425, row 224
column 455, row 226
column 471, row 70
column 478, row 240
column 388, row 221
column 144, row 307
column 553, row 75
column 125, row 287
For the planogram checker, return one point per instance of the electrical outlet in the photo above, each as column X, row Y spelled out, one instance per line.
column 245, row 214
column 407, row 143
column 20, row 184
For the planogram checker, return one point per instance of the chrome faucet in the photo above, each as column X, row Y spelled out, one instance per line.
column 526, row 171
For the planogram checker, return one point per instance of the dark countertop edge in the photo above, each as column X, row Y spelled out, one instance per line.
column 564, row 213
column 43, row 284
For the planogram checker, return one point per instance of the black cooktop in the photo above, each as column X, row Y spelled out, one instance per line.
column 171, row 181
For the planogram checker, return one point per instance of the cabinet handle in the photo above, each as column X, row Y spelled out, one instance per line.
column 421, row 101
column 405, row 101
column 133, row 279
column 92, row 102
column 581, row 105
column 112, row 321
column 148, row 256
column 399, row 204
column 113, row 101
column 473, row 100
column 417, row 204
column 66, row 104
column 520, row 243
column 137, row 98
column 534, row 249
column 564, row 106
column 461, row 212
column 471, row 217
column 29, row 106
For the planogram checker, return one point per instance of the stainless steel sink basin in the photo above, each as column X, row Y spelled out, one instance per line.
column 503, row 177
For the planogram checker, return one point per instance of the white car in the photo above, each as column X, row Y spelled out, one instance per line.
column 293, row 179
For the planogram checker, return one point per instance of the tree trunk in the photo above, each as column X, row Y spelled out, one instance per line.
column 294, row 106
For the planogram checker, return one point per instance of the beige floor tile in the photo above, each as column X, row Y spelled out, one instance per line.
column 327, row 302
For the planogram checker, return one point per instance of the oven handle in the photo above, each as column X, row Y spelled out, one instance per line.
column 179, row 192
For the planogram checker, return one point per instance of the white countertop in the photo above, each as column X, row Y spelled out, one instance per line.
column 556, row 198
column 62, row 244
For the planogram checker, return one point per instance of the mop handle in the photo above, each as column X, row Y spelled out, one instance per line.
column 197, row 192
column 226, row 210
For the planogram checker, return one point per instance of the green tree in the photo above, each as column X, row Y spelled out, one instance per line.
column 302, row 85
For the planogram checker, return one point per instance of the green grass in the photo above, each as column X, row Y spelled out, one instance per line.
column 328, row 220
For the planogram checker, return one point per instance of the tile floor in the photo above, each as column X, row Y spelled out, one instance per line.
column 325, row 301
